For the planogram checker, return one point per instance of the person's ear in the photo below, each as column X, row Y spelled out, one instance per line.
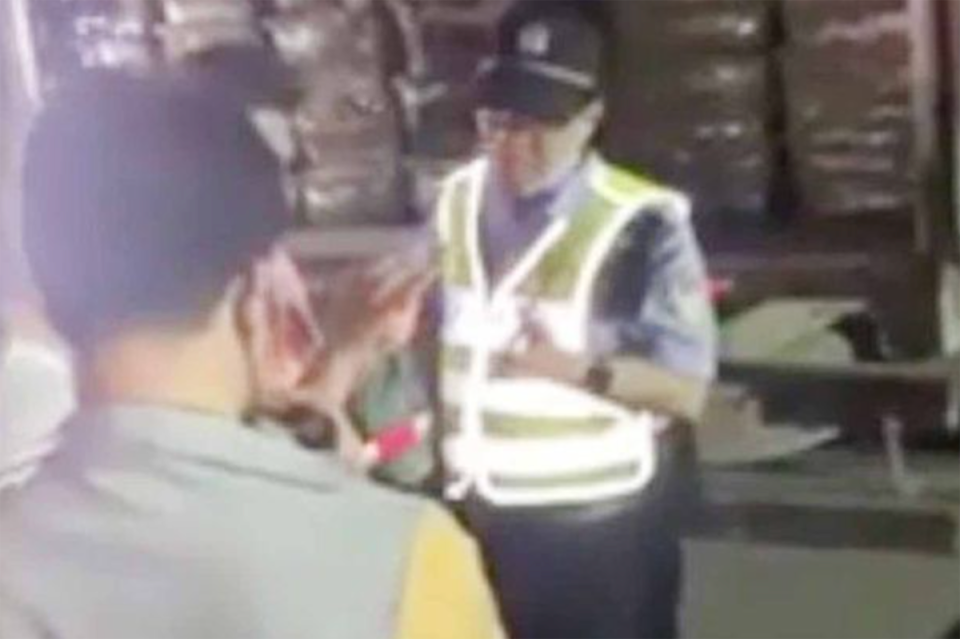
column 585, row 125
column 596, row 110
column 592, row 116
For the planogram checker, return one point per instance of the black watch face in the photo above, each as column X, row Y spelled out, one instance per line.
column 598, row 377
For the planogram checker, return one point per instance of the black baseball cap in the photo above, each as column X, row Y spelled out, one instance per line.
column 249, row 73
column 548, row 67
column 144, row 196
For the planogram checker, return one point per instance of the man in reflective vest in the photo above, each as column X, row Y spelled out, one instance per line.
column 576, row 330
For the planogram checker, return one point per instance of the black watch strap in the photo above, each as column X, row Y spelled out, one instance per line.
column 599, row 377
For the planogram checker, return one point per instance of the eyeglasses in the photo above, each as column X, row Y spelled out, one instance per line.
column 489, row 120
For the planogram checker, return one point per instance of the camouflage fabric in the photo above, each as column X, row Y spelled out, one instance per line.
column 396, row 390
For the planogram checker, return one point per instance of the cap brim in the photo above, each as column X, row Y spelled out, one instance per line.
column 511, row 87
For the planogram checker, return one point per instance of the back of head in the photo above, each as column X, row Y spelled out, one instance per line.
column 143, row 198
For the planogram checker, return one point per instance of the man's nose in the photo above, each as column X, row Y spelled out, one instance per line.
column 494, row 141
column 492, row 134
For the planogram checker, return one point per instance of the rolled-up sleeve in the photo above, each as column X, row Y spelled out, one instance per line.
column 658, row 303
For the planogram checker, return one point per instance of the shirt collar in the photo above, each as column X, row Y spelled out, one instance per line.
column 548, row 201
column 127, row 434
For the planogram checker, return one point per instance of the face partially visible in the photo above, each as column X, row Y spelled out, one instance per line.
column 528, row 154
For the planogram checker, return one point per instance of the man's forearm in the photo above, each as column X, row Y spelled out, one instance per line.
column 633, row 380
column 643, row 385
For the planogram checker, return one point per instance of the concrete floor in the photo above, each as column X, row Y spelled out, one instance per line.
column 741, row 591
column 830, row 548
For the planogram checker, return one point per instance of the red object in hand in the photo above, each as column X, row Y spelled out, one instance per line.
column 719, row 288
column 397, row 439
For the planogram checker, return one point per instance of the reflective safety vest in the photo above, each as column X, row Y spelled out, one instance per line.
column 531, row 441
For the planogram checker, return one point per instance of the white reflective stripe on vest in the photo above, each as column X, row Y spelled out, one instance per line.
column 483, row 462
column 526, row 465
column 636, row 445
column 543, row 457
column 557, row 495
column 471, row 319
column 534, row 397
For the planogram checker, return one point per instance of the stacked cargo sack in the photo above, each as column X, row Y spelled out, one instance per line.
column 693, row 101
column 457, row 35
column 70, row 35
column 348, row 122
column 847, row 79
column 347, row 125
column 455, row 52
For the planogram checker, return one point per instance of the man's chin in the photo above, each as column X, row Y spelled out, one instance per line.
column 516, row 180
column 522, row 186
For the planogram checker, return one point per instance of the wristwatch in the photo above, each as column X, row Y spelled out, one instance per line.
column 599, row 376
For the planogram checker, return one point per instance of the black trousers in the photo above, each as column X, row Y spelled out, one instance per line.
column 610, row 569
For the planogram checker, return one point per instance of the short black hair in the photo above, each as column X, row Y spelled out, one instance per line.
column 144, row 196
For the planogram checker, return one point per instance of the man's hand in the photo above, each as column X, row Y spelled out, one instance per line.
column 637, row 382
column 312, row 364
column 374, row 307
column 366, row 313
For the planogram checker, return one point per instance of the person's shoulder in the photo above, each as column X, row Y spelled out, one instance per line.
column 658, row 221
column 378, row 497
column 656, row 226
column 432, row 525
column 356, row 497
column 454, row 190
column 638, row 193
column 470, row 168
column 624, row 183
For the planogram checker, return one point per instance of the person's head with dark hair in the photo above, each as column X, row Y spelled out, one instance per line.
column 152, row 212
column 541, row 96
